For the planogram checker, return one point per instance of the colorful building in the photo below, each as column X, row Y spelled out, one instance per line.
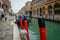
column 5, row 5
column 1, row 2
column 26, row 10
column 50, row 9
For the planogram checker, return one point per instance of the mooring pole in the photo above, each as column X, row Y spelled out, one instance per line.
column 42, row 28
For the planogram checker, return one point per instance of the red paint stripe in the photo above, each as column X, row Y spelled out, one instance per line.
column 26, row 27
column 21, row 24
column 42, row 33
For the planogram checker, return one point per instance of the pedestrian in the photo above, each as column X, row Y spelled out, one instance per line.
column 23, row 32
column 17, row 22
column 22, row 16
column 2, row 16
column 5, row 19
column 26, row 28
column 6, row 15
column 21, row 23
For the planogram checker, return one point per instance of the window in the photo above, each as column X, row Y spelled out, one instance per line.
column 30, row 12
column 43, row 10
column 33, row 12
column 57, row 8
column 40, row 12
column 0, row 4
column 50, row 10
column 26, row 12
column 37, row 11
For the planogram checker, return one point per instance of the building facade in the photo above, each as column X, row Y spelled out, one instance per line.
column 50, row 9
column 26, row 10
column 22, row 11
column 1, row 9
column 1, row 2
column 5, row 5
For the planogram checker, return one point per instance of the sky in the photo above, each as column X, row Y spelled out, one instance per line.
column 17, row 4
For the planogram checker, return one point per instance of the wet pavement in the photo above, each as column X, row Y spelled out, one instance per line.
column 8, row 29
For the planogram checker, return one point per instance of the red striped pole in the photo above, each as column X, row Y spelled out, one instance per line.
column 42, row 28
column 21, row 23
column 26, row 27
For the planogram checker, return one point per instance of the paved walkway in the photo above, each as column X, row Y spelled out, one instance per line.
column 9, row 30
column 16, row 33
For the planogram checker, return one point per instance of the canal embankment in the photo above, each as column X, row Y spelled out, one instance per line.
column 52, row 30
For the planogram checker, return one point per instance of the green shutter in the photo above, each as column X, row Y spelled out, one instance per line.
column 50, row 9
column 57, row 8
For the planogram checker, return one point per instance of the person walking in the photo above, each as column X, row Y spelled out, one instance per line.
column 18, row 21
column 23, row 31
column 21, row 23
column 1, row 16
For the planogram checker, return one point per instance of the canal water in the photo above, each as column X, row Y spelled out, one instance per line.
column 52, row 30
